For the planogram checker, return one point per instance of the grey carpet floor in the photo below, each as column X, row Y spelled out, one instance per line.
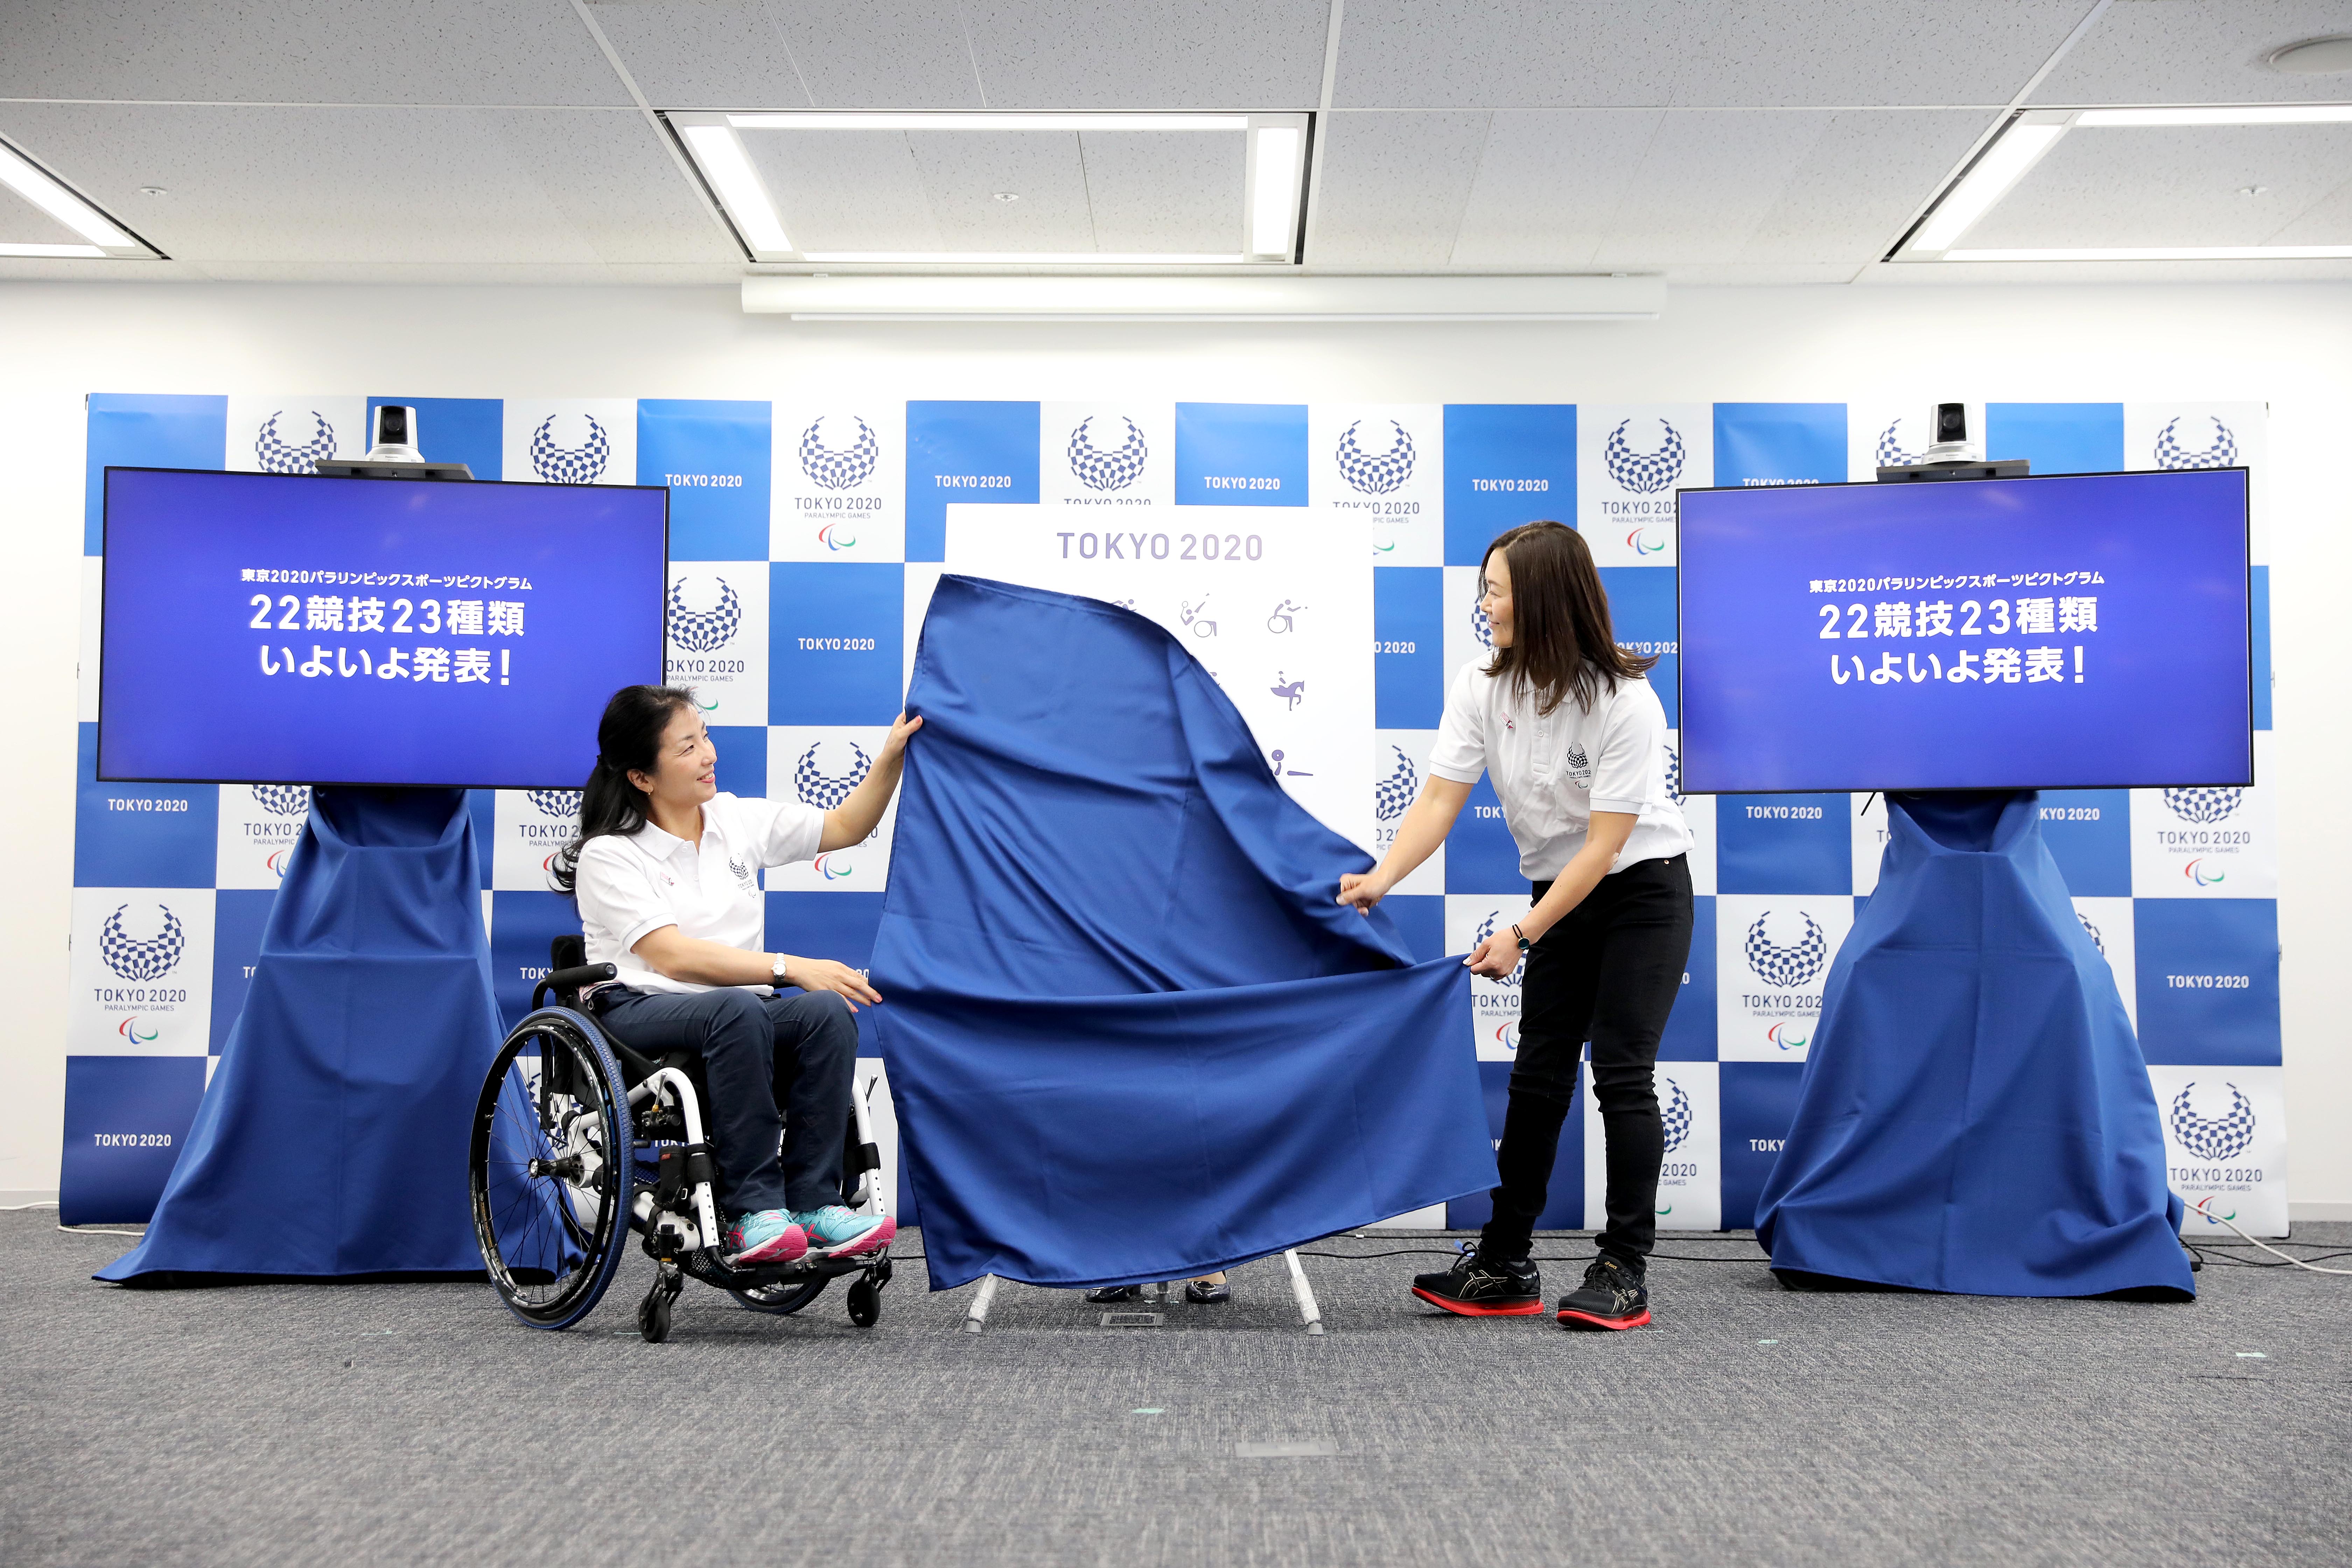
column 418, row 1424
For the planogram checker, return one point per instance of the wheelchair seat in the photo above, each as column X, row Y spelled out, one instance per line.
column 579, row 1140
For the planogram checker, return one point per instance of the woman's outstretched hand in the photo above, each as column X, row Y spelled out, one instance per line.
column 1363, row 890
column 900, row 727
column 814, row 975
column 1495, row 957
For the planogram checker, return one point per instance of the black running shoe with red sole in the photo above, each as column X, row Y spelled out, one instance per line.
column 1478, row 1285
column 1611, row 1297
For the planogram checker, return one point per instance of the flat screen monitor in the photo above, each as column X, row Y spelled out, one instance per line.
column 2074, row 631
column 268, row 629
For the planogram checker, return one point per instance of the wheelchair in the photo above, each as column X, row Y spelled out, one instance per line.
column 578, row 1141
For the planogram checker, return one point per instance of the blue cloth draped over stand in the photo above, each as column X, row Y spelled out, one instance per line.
column 1130, row 1034
column 1975, row 1115
column 332, row 1139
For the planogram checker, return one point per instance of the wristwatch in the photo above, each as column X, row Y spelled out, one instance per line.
column 776, row 970
column 1524, row 942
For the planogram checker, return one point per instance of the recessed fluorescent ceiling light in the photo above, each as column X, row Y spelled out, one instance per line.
column 739, row 185
column 2162, row 253
column 1013, row 258
column 1274, row 176
column 2239, row 114
column 1988, row 181
column 885, row 121
column 10, row 249
column 35, row 186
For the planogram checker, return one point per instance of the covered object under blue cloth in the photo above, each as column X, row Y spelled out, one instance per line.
column 1130, row 1033
column 332, row 1139
column 1975, row 1115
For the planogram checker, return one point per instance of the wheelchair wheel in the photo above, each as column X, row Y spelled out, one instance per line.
column 548, row 1169
column 783, row 1298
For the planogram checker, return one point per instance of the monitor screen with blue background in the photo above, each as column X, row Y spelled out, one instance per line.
column 265, row 628
column 2074, row 631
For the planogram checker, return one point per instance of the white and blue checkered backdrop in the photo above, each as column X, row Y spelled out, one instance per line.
column 806, row 538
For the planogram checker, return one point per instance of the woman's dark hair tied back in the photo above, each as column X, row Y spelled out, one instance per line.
column 628, row 739
column 1562, row 644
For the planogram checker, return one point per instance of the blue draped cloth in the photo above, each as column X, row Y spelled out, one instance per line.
column 333, row 1141
column 1975, row 1115
column 1130, row 1034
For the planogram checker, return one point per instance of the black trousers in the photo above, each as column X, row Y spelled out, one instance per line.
column 770, row 1062
column 1608, row 974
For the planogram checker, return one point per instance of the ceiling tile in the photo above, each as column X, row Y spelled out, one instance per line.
column 703, row 54
column 1705, row 183
column 378, row 186
column 895, row 54
column 2176, row 186
column 962, row 170
column 1162, row 193
column 2198, row 51
column 1856, row 189
column 308, row 51
column 1393, row 188
column 845, row 190
column 1571, row 54
column 1150, row 54
column 1550, row 184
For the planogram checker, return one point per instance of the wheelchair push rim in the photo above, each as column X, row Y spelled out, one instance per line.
column 550, row 1170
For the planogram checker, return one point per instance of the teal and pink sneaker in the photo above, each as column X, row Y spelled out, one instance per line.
column 768, row 1236
column 837, row 1233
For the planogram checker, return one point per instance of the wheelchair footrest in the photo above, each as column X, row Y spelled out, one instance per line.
column 707, row 1266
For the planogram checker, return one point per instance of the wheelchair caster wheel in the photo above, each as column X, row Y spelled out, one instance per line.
column 865, row 1304
column 653, row 1318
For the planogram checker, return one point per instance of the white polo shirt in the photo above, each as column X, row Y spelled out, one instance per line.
column 630, row 886
column 1552, row 772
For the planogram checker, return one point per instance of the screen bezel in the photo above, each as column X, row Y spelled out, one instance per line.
column 2246, row 525
column 661, row 649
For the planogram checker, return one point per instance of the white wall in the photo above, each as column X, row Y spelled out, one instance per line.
column 2290, row 345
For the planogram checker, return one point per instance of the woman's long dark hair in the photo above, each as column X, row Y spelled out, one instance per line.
column 627, row 737
column 1561, row 641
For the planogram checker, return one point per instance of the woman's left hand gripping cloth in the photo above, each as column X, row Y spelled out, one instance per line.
column 1130, row 1032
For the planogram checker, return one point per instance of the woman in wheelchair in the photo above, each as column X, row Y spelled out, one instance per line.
column 666, row 871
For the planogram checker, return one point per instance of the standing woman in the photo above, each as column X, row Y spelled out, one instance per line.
column 666, row 871
column 1575, row 741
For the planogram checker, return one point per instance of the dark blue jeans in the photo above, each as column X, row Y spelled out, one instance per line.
column 771, row 1063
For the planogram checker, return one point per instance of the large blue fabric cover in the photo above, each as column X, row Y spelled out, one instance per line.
column 1130, row 1034
column 1975, row 1115
column 332, row 1139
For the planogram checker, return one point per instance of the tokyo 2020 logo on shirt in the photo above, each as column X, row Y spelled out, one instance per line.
column 559, row 804
column 142, row 958
column 276, row 455
column 2204, row 806
column 1393, row 795
column 1891, row 454
column 2215, row 1138
column 283, row 800
column 1643, row 473
column 580, row 465
column 1107, row 471
column 1375, row 474
column 704, row 631
column 1786, row 966
column 839, row 467
column 2221, row 450
column 823, row 790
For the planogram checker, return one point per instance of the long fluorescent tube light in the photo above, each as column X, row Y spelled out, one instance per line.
column 1017, row 258
column 2162, row 253
column 2239, row 114
column 1267, row 296
column 2002, row 166
column 878, row 120
column 1275, row 180
column 738, row 184
column 12, row 249
column 37, row 187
